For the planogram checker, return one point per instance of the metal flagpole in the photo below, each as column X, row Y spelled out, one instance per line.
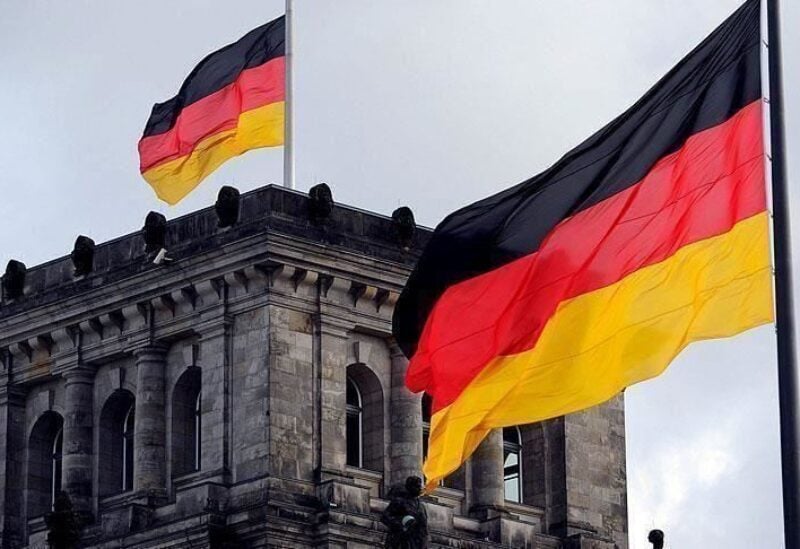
column 288, row 144
column 784, row 306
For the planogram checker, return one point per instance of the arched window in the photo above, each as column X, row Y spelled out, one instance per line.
column 186, row 423
column 365, row 419
column 44, row 463
column 426, row 423
column 512, row 464
column 116, row 443
column 355, row 435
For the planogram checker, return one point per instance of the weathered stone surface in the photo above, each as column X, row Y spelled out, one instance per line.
column 12, row 444
column 250, row 392
column 405, row 423
column 590, row 496
column 78, row 454
column 149, row 437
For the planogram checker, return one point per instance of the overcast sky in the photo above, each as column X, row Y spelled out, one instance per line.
column 430, row 104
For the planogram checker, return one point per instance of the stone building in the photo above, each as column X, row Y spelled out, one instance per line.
column 228, row 379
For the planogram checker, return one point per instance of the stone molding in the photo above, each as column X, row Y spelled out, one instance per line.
column 126, row 326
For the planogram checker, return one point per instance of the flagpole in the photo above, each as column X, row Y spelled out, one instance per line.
column 288, row 138
column 784, row 302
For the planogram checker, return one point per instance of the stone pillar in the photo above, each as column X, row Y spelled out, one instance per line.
column 292, row 382
column 149, row 432
column 77, row 461
column 487, row 476
column 405, row 420
column 588, row 497
column 215, row 405
column 12, row 440
column 332, row 341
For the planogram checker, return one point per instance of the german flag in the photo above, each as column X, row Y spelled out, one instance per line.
column 233, row 101
column 556, row 294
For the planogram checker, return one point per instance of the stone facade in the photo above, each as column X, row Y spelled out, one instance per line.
column 203, row 401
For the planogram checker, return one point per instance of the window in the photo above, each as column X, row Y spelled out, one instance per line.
column 197, row 431
column 127, row 450
column 426, row 423
column 187, row 423
column 355, row 454
column 512, row 464
column 44, row 463
column 55, row 461
column 365, row 427
column 116, row 444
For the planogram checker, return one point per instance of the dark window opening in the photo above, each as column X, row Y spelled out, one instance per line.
column 354, row 434
column 116, row 444
column 45, row 447
column 55, row 459
column 426, row 423
column 127, row 450
column 512, row 464
column 187, row 423
column 197, row 430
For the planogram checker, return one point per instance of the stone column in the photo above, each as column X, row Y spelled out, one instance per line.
column 12, row 440
column 77, row 461
column 405, row 420
column 149, row 432
column 487, row 476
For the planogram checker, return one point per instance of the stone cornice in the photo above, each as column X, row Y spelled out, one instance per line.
column 266, row 213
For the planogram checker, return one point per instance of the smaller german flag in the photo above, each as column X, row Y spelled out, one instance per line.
column 233, row 101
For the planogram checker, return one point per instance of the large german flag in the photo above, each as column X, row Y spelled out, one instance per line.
column 556, row 294
column 233, row 101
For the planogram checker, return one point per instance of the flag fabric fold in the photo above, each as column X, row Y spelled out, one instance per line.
column 232, row 102
column 556, row 294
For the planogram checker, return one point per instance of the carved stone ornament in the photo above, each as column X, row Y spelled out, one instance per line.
column 404, row 225
column 320, row 203
column 63, row 524
column 154, row 232
column 83, row 255
column 14, row 279
column 227, row 206
column 656, row 537
column 406, row 517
